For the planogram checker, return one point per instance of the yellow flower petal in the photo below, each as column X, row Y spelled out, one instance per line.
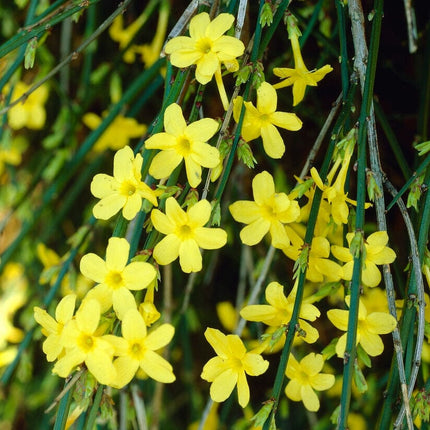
column 272, row 141
column 157, row 367
column 167, row 250
column 190, row 257
column 117, row 253
column 93, row 267
column 223, row 385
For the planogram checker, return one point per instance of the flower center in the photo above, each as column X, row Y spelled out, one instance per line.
column 235, row 363
column 303, row 377
column 268, row 213
column 185, row 232
column 183, row 146
column 114, row 280
column 127, row 189
column 86, row 342
column 136, row 350
column 204, row 45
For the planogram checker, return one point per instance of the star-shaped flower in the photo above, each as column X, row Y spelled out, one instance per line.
column 206, row 47
column 115, row 277
column 183, row 142
column 230, row 367
column 118, row 133
column 31, row 112
column 84, row 344
column 269, row 212
column 305, row 379
column 263, row 120
column 280, row 309
column 185, row 233
column 53, row 328
column 376, row 252
column 299, row 77
column 136, row 349
column 124, row 190
column 369, row 327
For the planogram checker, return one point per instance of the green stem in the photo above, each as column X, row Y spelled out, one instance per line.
column 279, row 379
column 311, row 23
column 91, row 419
column 350, row 349
column 340, row 9
column 63, row 410
column 70, row 168
column 39, row 28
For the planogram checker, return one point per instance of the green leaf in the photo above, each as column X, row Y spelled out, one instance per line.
column 266, row 17
column 244, row 153
column 30, row 53
column 263, row 414
column 423, row 147
column 363, row 356
column 359, row 379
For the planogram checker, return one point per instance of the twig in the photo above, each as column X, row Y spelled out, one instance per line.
column 412, row 26
column 72, row 56
column 360, row 65
column 139, row 407
column 241, row 13
column 68, row 386
column 181, row 23
column 416, row 265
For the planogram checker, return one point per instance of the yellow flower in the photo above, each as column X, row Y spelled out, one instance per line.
column 334, row 192
column 78, row 285
column 320, row 268
column 125, row 190
column 267, row 213
column 206, row 47
column 305, row 379
column 151, row 53
column 375, row 252
column 230, row 367
column 115, row 278
column 136, row 349
column 299, row 77
column 261, row 120
column 369, row 327
column 118, row 133
column 31, row 112
column 11, row 152
column 280, row 309
column 53, row 328
column 183, row 142
column 83, row 343
column 13, row 295
column 125, row 35
column 185, row 234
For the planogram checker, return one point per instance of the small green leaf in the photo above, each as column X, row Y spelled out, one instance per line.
column 423, row 147
column 263, row 414
column 421, row 407
column 216, row 214
column 359, row 379
column 266, row 17
column 244, row 153
column 373, row 191
column 415, row 193
column 363, row 356
column 30, row 53
column 243, row 74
